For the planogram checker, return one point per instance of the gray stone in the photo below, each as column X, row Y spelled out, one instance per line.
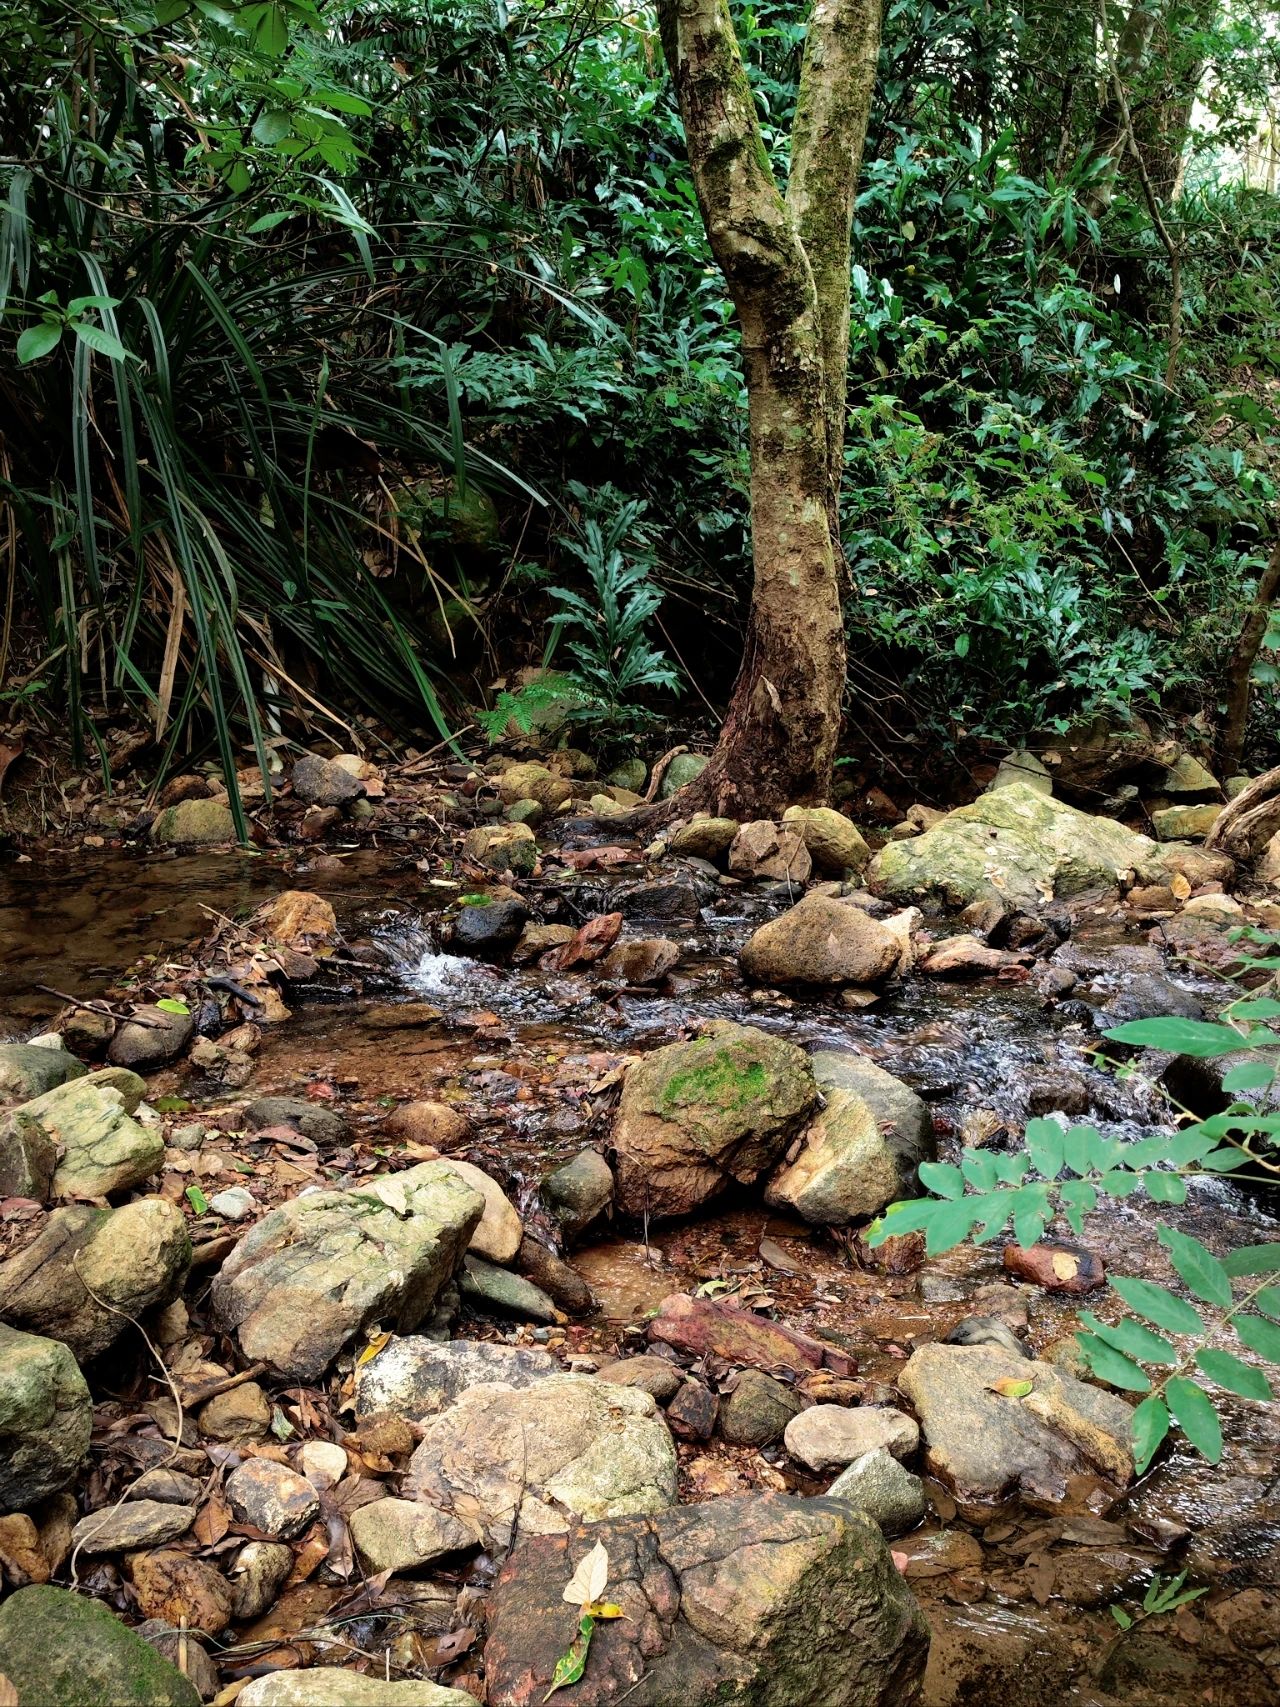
column 136, row 1523
column 46, row 1418
column 171, row 1487
column 567, row 1447
column 322, row 1125
column 261, row 1570
column 827, row 1437
column 1189, row 780
column 401, row 1535
column 684, row 768
column 28, row 1157
column 173, row 1644
column 60, row 1649
column 631, row 773
column 417, row 1378
column 1025, row 768
column 877, row 1484
column 763, row 849
column 694, row 1116
column 27, row 1069
column 273, row 1498
column 758, row 1410
column 103, row 1149
column 144, row 1047
column 89, row 1270
column 822, row 941
column 194, row 823
column 903, row 1117
column 306, row 1278
column 497, row 1289
column 332, row 1686
column 233, row 1204
column 489, row 928
column 499, row 1232
column 579, row 1191
column 760, row 1601
column 653, row 1375
column 322, row 782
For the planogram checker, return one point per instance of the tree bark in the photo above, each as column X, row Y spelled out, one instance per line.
column 1240, row 665
column 785, row 261
column 1124, row 62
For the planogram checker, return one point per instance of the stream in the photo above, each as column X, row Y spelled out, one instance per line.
column 1018, row 1605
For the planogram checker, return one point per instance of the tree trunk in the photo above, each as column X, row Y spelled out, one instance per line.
column 1110, row 137
column 1240, row 666
column 786, row 264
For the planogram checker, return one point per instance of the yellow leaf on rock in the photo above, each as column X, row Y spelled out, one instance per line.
column 1065, row 1265
column 1180, row 887
column 1009, row 1387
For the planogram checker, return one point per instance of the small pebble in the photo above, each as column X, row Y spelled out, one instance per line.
column 271, row 1497
column 234, row 1204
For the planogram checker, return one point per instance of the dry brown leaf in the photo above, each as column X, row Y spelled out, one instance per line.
column 312, row 1554
column 8, row 1694
column 1180, row 887
column 1065, row 1265
column 214, row 1519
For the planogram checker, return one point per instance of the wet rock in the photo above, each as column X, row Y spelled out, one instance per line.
column 491, row 1289
column 1098, row 1576
column 1185, row 823
column 834, row 842
column 694, row 1116
column 61, row 1649
column 499, row 1231
column 1036, row 846
column 763, row 849
column 525, row 812
column 579, row 1192
column 691, row 1414
column 401, row 1535
column 1001, row 1654
column 966, row 957
column 821, row 941
column 438, row 1124
column 903, row 1117
column 321, row 782
column 730, row 1602
column 491, row 928
column 28, row 1157
column 418, row 1378
column 988, row 1330
column 984, row 1446
column 502, row 848
column 757, row 1411
column 136, row 1523
column 1024, row 768
column 242, row 1414
column 534, row 782
column 879, row 1485
column 827, row 1437
column 310, row 1275
column 194, row 824
column 678, row 899
column 1056, row 1267
column 85, row 1032
column 145, row 1047
column 550, row 1274
column 177, row 1588
column 1059, row 1092
column 272, row 1498
column 89, row 1270
column 740, row 1337
column 46, row 1418
column 537, row 940
column 570, row 1446
column 261, row 1570
column 333, row 1686
column 704, row 838
column 653, row 1375
column 641, row 961
column 683, row 769
column 312, row 1119
column 28, row 1069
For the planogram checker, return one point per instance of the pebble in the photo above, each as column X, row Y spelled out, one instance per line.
column 242, row 1414
column 233, row 1204
column 322, row 1462
column 271, row 1497
column 827, row 1437
column 170, row 1487
column 136, row 1523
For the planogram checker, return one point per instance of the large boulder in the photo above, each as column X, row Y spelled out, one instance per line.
column 704, row 838
column 29, row 1069
column 534, row 782
column 311, row 1274
column 90, row 1119
column 89, row 1270
column 28, row 1157
column 194, row 824
column 821, row 940
column 534, row 1460
column 46, row 1418
column 862, row 1148
column 834, row 842
column 60, row 1649
column 760, row 1601
column 695, row 1115
column 417, row 1378
column 1018, row 844
column 985, row 1446
column 151, row 1038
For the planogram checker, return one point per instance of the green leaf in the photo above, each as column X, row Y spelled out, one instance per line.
column 1079, row 1147
column 1252, row 1259
column 1229, row 1372
column 1165, row 1188
column 1195, row 1415
column 571, row 1664
column 1249, row 1075
column 1262, row 1337
column 1156, row 1305
column 1122, row 1618
column 1029, row 1206
column 1078, row 1199
column 979, row 1168
column 950, row 1224
column 942, row 1178
column 1255, row 1007
column 37, row 341
column 273, row 126
column 1268, row 1301
column 1132, row 1339
column 1044, row 1139
column 103, row 342
column 197, row 1199
column 1198, row 1037
column 1149, row 1426
column 1199, row 1269
column 171, row 1005
column 271, row 31
column 1118, row 1183
column 1111, row 1365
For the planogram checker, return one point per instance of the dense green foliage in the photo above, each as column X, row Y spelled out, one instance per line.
column 341, row 346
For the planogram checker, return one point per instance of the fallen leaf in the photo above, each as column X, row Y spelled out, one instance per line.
column 1009, row 1387
column 214, row 1519
column 8, row 1694
column 1065, row 1265
column 571, row 1664
column 1180, row 887
column 588, row 1582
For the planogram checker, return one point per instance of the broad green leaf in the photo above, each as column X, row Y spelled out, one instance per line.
column 1255, row 1007
column 979, row 1168
column 1262, row 1337
column 271, row 32
column 1252, row 1259
column 1193, row 1409
column 1132, row 1339
column 1188, row 1146
column 1268, row 1301
column 1079, row 1147
column 1118, row 1183
column 1029, row 1206
column 273, row 126
column 573, row 1662
column 1199, row 1269
column 1224, row 1161
column 197, row 1199
column 1165, row 1188
column 1249, row 1075
column 1110, row 1365
column 942, row 1178
column 171, row 1005
column 1012, row 1169
column 38, row 340
column 103, row 342
column 1229, row 1372
column 1078, row 1198
column 1044, row 1146
column 1178, row 1036
column 1172, row 1314
column 950, row 1224
column 1150, row 1425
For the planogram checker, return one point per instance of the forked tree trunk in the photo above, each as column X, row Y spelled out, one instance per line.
column 786, row 263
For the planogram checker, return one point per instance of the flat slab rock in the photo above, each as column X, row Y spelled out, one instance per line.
column 333, row 1686
column 985, row 1447
column 742, row 1338
column 761, row 1601
column 417, row 1378
column 314, row 1272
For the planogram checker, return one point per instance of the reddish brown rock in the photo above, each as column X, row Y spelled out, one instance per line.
column 968, row 957
column 691, row 1415
column 1056, row 1267
column 740, row 1338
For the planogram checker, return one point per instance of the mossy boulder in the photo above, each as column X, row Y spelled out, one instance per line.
column 502, row 847
column 46, row 1418
column 834, row 842
column 696, row 1115
column 684, row 768
column 469, row 518
column 534, row 782
column 29, row 1069
column 195, row 824
column 1185, row 823
column 704, row 838
column 60, row 1649
column 1016, row 843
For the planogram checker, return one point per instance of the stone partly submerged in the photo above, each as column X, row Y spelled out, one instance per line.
column 695, row 1116
column 761, row 1601
column 60, row 1649
column 314, row 1272
column 1019, row 844
column 821, row 941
